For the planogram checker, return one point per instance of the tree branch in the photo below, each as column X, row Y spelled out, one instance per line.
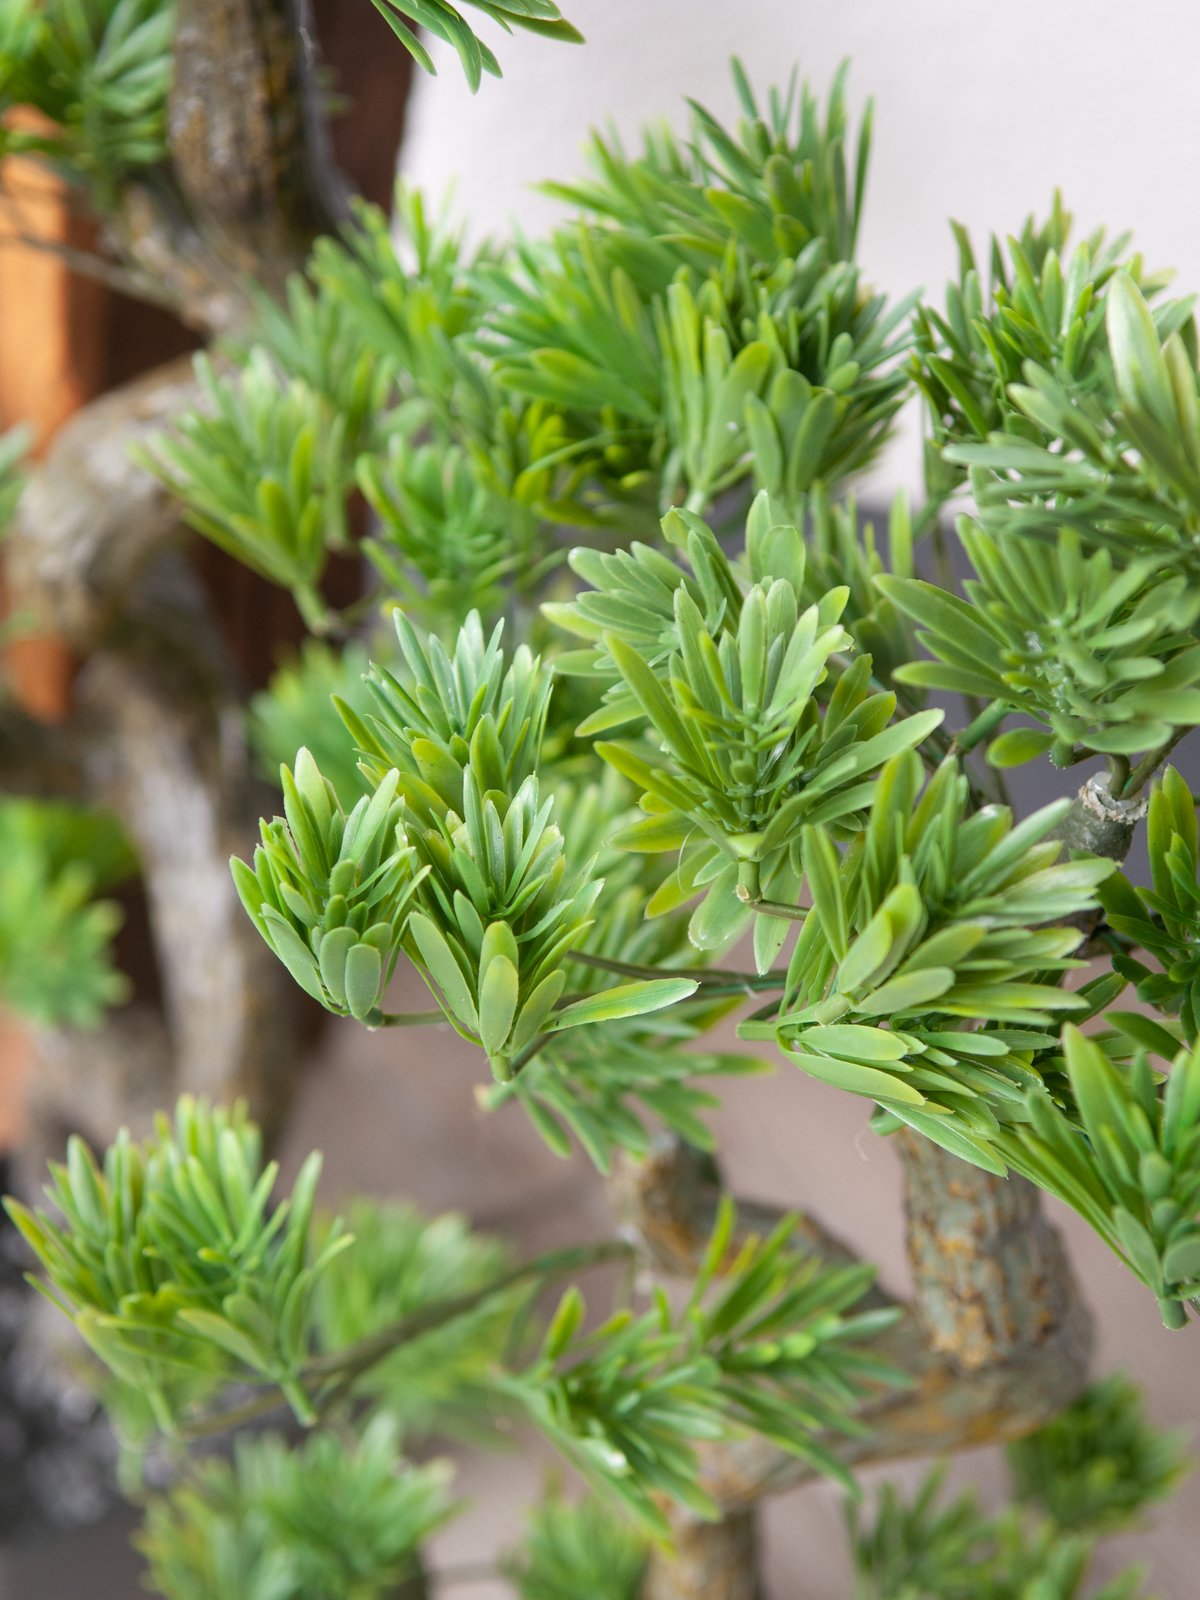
column 90, row 521
column 156, row 734
column 995, row 1342
column 251, row 181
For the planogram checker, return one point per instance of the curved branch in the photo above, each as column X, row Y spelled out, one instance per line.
column 155, row 733
column 90, row 520
column 996, row 1341
column 251, row 181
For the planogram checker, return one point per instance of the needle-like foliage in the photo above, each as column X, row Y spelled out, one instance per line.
column 1163, row 920
column 329, row 891
column 1121, row 468
column 1127, row 1158
column 265, row 470
column 581, row 774
column 175, row 1264
column 769, row 1347
column 573, row 1548
column 757, row 723
column 56, row 960
column 401, row 1264
column 704, row 314
column 924, row 1549
column 1103, row 656
column 930, row 962
column 443, row 21
column 1098, row 1465
column 297, row 709
column 1041, row 300
column 283, row 1522
column 99, row 72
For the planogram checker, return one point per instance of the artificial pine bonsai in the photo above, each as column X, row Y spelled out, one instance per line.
column 640, row 724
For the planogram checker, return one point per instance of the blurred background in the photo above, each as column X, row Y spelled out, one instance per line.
column 981, row 113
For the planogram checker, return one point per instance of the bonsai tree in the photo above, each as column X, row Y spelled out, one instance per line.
column 639, row 725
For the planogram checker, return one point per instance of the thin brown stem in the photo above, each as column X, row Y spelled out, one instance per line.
column 339, row 1370
column 345, row 1367
column 88, row 264
column 721, row 978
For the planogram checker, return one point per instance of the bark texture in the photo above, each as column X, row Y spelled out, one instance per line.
column 250, row 182
column 711, row 1561
column 995, row 1341
column 97, row 558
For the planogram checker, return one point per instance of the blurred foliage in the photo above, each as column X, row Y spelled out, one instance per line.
column 402, row 1261
column 922, row 1549
column 1099, row 1464
column 99, row 72
column 295, row 1522
column 1134, row 1175
column 56, row 960
column 175, row 1265
column 577, row 1548
column 484, row 398
column 297, row 709
column 1163, row 920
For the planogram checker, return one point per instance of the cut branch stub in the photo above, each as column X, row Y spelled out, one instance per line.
column 1099, row 822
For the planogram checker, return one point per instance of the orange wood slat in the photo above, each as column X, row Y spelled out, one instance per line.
column 52, row 347
column 51, row 357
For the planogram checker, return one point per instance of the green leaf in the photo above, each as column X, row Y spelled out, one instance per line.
column 1018, row 745
column 626, row 1000
column 363, row 971
column 443, row 968
column 497, row 1004
column 856, row 1079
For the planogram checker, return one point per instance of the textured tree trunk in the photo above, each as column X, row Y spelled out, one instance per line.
column 251, row 180
column 996, row 1341
column 711, row 1561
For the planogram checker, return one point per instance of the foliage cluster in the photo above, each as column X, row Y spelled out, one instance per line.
column 657, row 686
column 56, row 958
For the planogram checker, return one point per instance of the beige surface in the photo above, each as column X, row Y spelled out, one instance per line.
column 981, row 112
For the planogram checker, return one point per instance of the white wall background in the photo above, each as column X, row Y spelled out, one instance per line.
column 982, row 109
